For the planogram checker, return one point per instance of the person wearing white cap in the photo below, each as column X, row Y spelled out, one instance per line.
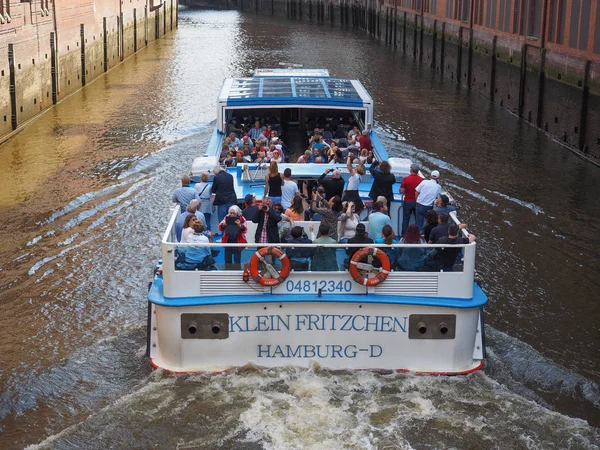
column 426, row 193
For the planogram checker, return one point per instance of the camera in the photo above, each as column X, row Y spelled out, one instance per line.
column 264, row 207
column 314, row 189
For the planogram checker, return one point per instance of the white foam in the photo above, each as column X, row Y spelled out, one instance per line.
column 39, row 264
column 532, row 206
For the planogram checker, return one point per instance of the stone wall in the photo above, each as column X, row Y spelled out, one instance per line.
column 552, row 87
column 50, row 49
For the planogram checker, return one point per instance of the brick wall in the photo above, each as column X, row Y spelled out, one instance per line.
column 90, row 37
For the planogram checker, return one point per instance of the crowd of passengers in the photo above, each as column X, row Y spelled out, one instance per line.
column 332, row 202
column 329, row 141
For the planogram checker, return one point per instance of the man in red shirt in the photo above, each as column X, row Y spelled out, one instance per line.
column 365, row 141
column 407, row 188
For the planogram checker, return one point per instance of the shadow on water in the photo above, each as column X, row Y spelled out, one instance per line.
column 74, row 270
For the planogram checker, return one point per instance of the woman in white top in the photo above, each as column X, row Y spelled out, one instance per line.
column 351, row 193
column 203, row 189
column 349, row 220
column 188, row 227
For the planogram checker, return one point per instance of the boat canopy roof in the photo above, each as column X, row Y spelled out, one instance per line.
column 293, row 88
column 295, row 91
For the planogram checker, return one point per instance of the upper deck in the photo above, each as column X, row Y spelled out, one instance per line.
column 293, row 88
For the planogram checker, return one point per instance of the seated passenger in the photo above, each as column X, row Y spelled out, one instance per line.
column 388, row 237
column 324, row 259
column 188, row 227
column 343, row 144
column 431, row 221
column 197, row 257
column 411, row 259
column 235, row 141
column 246, row 140
column 442, row 205
column 360, row 237
column 299, row 257
column 444, row 258
column 305, row 157
column 192, row 208
column 441, row 230
column 255, row 132
column 353, row 132
column 276, row 156
column 260, row 158
column 340, row 132
column 318, row 143
column 337, row 157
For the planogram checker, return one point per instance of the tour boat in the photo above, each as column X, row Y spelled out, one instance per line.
column 261, row 313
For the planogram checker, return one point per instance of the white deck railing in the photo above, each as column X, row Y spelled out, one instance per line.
column 224, row 282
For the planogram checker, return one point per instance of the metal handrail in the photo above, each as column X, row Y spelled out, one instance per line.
column 175, row 215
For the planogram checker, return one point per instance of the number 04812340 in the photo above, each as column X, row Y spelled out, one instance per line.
column 307, row 286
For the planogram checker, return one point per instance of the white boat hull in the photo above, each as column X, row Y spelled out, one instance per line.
column 336, row 335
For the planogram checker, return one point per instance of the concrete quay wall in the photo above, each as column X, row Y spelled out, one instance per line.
column 51, row 48
column 552, row 86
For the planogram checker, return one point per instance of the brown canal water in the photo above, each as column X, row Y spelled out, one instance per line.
column 84, row 198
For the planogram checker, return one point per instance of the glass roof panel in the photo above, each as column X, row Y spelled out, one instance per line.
column 286, row 87
column 277, row 87
column 341, row 88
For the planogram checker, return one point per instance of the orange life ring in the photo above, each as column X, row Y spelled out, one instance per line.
column 259, row 256
column 384, row 270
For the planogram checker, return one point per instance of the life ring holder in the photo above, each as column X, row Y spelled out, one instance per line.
column 259, row 256
column 356, row 264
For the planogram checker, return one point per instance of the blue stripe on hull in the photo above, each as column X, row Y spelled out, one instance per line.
column 156, row 296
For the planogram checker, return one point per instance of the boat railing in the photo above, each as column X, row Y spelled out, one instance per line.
column 228, row 279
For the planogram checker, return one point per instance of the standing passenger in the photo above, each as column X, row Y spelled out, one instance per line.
column 383, row 181
column 250, row 207
column 234, row 230
column 407, row 188
column 267, row 220
column 223, row 191
column 334, row 185
column 185, row 194
column 351, row 194
column 289, row 189
column 273, row 183
column 203, row 190
column 426, row 193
